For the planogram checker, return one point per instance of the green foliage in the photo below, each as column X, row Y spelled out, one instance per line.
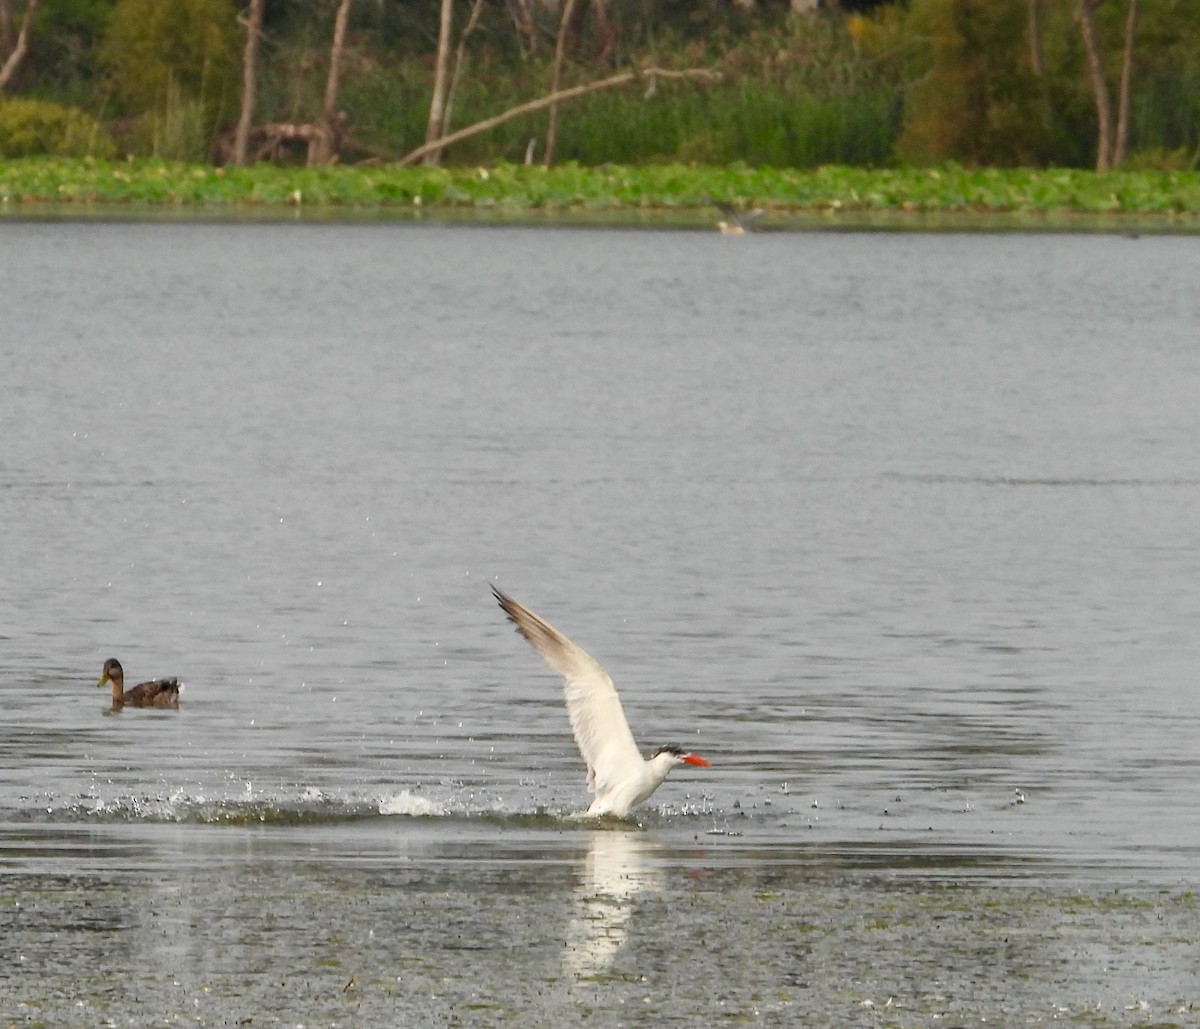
column 62, row 57
column 36, row 127
column 162, row 55
column 1165, row 102
column 801, row 96
column 178, row 131
column 977, row 99
column 922, row 81
column 830, row 193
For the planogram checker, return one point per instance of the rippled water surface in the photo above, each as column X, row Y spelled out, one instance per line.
column 900, row 531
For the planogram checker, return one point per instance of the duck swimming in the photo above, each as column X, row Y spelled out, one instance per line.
column 156, row 693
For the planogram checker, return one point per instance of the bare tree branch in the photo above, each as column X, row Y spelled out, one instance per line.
column 560, row 47
column 1120, row 144
column 436, row 125
column 623, row 79
column 20, row 49
column 329, row 111
column 8, row 35
column 1037, row 60
column 608, row 30
column 322, row 149
column 249, row 80
column 460, row 60
column 521, row 12
column 1100, row 96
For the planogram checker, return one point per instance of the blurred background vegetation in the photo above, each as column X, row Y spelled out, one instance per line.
column 859, row 82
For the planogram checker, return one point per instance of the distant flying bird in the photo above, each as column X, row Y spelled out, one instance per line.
column 156, row 693
column 618, row 775
column 735, row 223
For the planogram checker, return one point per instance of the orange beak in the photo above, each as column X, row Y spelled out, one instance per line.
column 695, row 759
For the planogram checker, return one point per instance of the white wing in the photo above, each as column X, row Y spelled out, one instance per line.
column 597, row 719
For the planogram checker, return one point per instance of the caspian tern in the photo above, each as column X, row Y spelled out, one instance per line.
column 618, row 775
column 735, row 222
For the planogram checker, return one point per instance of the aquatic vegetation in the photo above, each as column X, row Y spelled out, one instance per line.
column 831, row 190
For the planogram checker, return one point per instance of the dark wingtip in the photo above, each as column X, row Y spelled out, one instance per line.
column 506, row 604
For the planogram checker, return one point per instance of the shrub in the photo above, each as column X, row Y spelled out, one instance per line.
column 34, row 128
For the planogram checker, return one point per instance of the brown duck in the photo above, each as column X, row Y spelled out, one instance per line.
column 156, row 693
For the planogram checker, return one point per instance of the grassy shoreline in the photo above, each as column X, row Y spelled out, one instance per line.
column 657, row 192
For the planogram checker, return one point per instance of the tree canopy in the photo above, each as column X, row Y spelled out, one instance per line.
column 769, row 82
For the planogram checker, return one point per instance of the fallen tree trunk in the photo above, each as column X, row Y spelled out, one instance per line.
column 623, row 79
column 272, row 137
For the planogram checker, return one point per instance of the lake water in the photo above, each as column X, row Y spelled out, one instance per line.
column 899, row 530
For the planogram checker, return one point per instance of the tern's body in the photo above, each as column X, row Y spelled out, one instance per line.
column 618, row 775
column 735, row 222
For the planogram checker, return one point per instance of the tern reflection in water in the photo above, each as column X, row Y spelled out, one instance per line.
column 619, row 865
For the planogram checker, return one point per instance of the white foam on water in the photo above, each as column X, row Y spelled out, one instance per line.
column 408, row 803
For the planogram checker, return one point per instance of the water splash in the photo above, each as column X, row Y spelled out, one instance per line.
column 407, row 803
